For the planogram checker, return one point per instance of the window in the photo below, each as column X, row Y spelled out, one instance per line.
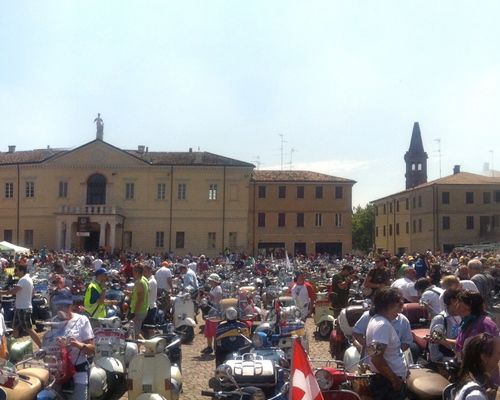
column 407, row 227
column 281, row 219
column 414, row 202
column 486, row 197
column 129, row 193
column 212, row 240
column 212, row 191
column 385, row 209
column 300, row 192
column 495, row 221
column 414, row 230
column 397, row 228
column 419, row 166
column 376, row 231
column 383, row 231
column 420, row 201
column 96, row 189
column 469, row 222
column 339, row 192
column 181, row 193
column 420, row 225
column 9, row 190
column 319, row 192
column 300, row 220
column 127, row 239
column 338, row 220
column 318, row 220
column 63, row 189
column 161, row 190
column 497, row 196
column 7, row 235
column 445, row 197
column 28, row 237
column 376, row 211
column 179, row 240
column 262, row 192
column 413, row 167
column 233, row 240
column 446, row 223
column 390, row 229
column 397, row 205
column 281, row 192
column 390, row 208
column 469, row 197
column 261, row 220
column 160, row 239
column 407, row 204
column 30, row 189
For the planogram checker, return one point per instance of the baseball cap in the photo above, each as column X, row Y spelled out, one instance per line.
column 62, row 297
column 101, row 271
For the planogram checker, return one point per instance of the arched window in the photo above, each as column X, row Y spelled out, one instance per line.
column 96, row 189
column 419, row 166
column 413, row 166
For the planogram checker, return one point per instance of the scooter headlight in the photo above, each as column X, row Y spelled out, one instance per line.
column 324, row 378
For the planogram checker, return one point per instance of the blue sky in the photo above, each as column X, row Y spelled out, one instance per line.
column 343, row 81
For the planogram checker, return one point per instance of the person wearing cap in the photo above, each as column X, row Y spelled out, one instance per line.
column 214, row 297
column 95, row 301
column 77, row 336
column 23, row 291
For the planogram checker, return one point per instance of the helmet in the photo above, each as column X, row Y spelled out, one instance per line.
column 214, row 278
column 231, row 314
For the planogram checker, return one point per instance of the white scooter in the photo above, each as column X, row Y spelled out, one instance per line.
column 184, row 314
column 112, row 355
column 151, row 376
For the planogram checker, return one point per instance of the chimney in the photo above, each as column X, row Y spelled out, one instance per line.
column 12, row 148
column 190, row 149
column 140, row 149
column 456, row 169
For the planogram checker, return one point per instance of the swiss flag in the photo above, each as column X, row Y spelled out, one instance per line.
column 304, row 385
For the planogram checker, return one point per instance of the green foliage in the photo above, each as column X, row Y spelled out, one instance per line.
column 363, row 227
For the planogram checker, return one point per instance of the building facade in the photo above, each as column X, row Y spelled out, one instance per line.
column 301, row 211
column 460, row 209
column 98, row 195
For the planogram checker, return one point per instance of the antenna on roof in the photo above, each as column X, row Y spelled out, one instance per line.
column 257, row 161
column 438, row 140
column 292, row 150
column 492, row 163
column 282, row 142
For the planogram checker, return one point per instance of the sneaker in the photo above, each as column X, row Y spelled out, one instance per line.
column 207, row 350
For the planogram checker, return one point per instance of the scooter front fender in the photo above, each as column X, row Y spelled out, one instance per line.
column 187, row 321
column 326, row 318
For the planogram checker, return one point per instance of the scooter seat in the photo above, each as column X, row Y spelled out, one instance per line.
column 426, row 384
column 39, row 373
column 353, row 314
column 25, row 389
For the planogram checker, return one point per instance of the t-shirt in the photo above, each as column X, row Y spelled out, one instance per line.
column 190, row 279
column 216, row 295
column 302, row 300
column 406, row 287
column 474, row 394
column 153, row 291
column 339, row 295
column 193, row 266
column 440, row 322
column 431, row 298
column 24, row 296
column 379, row 275
column 400, row 324
column 380, row 330
column 161, row 277
column 482, row 324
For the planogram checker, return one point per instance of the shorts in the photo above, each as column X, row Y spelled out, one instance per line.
column 151, row 316
column 138, row 321
column 211, row 328
column 22, row 319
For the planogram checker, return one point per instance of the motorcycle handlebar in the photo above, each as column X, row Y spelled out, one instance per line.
column 207, row 393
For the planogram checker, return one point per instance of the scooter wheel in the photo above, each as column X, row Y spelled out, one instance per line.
column 186, row 332
column 325, row 329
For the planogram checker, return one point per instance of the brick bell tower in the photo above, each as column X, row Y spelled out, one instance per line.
column 416, row 160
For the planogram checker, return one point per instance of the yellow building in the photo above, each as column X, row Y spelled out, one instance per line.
column 100, row 196
column 301, row 211
column 460, row 209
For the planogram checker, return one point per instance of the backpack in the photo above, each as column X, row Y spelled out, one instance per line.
column 447, row 352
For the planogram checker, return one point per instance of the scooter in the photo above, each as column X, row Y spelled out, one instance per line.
column 323, row 315
column 184, row 314
column 151, row 375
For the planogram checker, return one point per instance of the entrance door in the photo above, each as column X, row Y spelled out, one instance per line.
column 299, row 248
column 92, row 241
column 332, row 248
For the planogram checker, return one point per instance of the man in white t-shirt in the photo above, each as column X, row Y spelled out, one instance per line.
column 23, row 291
column 388, row 361
column 430, row 296
column 406, row 285
column 164, row 281
column 194, row 266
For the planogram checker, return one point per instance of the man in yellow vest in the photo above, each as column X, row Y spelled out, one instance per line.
column 95, row 301
column 139, row 301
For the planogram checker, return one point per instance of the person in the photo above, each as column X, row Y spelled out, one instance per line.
column 76, row 335
column 97, row 263
column 452, row 282
column 378, row 277
column 189, row 279
column 152, row 295
column 435, row 274
column 4, row 352
column 303, row 295
column 214, row 297
column 480, row 362
column 429, row 296
column 341, row 283
column 139, row 301
column 388, row 362
column 99, row 125
column 163, row 278
column 421, row 266
column 94, row 300
column 23, row 291
column 406, row 285
column 483, row 281
column 447, row 322
column 127, row 269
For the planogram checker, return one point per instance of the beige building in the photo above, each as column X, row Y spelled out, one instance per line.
column 100, row 196
column 301, row 211
column 460, row 209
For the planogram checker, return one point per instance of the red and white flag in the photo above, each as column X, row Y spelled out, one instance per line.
column 303, row 383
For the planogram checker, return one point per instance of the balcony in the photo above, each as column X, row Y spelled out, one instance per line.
column 93, row 209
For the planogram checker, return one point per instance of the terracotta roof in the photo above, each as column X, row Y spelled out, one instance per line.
column 296, row 176
column 462, row 178
column 28, row 156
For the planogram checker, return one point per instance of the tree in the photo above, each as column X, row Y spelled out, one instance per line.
column 363, row 226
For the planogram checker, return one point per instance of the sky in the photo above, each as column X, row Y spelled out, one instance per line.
column 336, row 84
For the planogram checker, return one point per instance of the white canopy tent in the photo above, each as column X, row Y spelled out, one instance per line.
column 9, row 247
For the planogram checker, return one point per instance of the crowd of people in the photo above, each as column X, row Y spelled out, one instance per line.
column 457, row 291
